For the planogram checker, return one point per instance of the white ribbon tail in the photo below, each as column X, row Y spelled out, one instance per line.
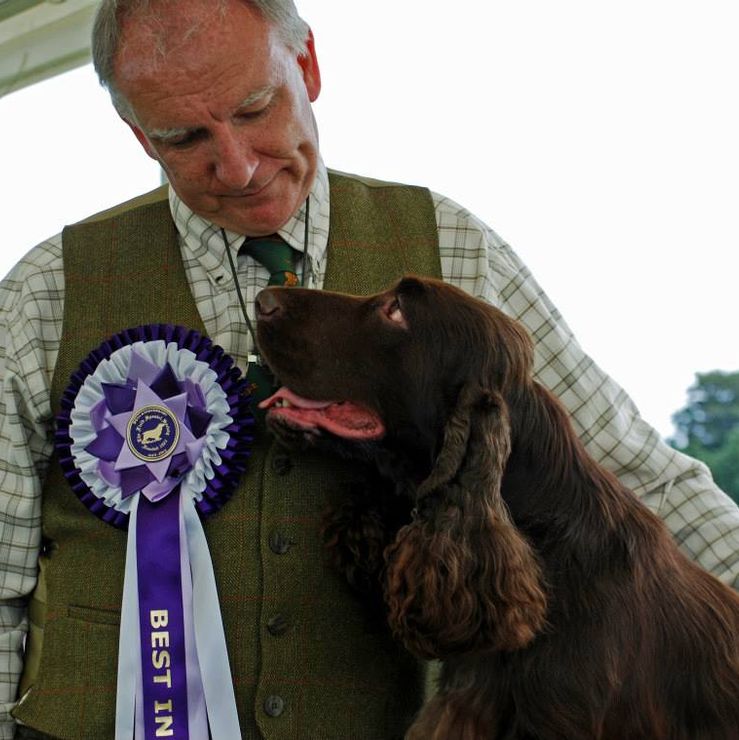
column 210, row 639
column 129, row 720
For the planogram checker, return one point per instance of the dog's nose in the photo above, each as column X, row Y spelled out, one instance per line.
column 268, row 304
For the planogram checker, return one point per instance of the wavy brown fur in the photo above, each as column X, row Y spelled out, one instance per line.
column 460, row 577
column 559, row 604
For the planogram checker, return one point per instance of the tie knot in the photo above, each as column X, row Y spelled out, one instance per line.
column 276, row 255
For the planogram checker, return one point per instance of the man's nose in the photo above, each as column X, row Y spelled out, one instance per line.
column 235, row 162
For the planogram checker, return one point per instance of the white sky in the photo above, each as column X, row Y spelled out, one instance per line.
column 598, row 138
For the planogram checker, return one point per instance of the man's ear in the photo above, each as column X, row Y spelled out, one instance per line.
column 311, row 71
column 141, row 136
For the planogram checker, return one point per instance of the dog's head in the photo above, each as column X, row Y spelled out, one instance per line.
column 387, row 370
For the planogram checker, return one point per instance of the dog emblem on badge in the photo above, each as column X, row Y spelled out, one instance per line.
column 153, row 433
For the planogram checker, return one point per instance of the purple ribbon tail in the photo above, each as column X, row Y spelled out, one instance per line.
column 162, row 622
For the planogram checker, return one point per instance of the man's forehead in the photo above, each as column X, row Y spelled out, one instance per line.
column 182, row 32
column 179, row 86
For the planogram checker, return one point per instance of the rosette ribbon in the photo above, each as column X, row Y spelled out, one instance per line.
column 154, row 434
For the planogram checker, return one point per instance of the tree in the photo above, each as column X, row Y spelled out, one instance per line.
column 708, row 426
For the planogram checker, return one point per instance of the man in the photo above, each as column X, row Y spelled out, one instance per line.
column 220, row 95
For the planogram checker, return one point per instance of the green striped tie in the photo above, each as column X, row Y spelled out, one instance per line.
column 279, row 259
column 276, row 255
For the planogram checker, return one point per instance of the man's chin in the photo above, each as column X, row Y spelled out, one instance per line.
column 248, row 214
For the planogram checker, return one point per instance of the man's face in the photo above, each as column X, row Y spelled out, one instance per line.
column 225, row 110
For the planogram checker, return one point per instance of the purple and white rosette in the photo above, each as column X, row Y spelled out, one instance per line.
column 154, row 434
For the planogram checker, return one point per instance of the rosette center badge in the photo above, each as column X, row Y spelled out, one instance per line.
column 153, row 433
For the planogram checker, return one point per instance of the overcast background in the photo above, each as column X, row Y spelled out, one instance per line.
column 598, row 138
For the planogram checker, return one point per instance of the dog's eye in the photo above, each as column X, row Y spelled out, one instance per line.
column 395, row 313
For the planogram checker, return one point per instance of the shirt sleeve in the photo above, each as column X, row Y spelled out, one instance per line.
column 702, row 518
column 30, row 318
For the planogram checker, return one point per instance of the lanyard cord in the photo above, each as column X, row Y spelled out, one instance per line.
column 254, row 357
column 242, row 303
column 306, row 258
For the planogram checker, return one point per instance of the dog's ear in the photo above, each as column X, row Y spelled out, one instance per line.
column 455, row 443
column 461, row 577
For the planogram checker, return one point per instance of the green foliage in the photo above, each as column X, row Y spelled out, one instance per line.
column 708, row 427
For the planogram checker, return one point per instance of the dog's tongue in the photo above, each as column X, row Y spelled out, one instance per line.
column 341, row 418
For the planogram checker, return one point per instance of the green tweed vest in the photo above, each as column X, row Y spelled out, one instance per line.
column 307, row 662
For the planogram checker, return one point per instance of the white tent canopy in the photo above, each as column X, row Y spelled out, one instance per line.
column 41, row 39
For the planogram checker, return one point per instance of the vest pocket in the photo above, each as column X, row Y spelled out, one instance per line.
column 74, row 693
column 94, row 615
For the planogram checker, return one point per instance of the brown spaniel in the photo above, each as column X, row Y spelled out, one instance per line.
column 559, row 604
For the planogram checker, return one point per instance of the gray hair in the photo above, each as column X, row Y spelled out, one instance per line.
column 106, row 34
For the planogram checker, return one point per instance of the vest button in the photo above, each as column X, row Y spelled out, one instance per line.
column 277, row 625
column 274, row 705
column 279, row 543
column 281, row 464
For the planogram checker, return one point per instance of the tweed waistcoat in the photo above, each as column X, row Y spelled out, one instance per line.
column 307, row 661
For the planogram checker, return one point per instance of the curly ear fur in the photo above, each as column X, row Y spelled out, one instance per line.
column 355, row 537
column 461, row 577
column 356, row 532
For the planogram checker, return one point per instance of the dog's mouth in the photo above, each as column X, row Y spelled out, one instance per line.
column 341, row 418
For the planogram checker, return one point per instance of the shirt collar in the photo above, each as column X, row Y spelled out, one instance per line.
column 201, row 240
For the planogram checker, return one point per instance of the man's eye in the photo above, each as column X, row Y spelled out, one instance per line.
column 251, row 115
column 182, row 142
column 179, row 143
